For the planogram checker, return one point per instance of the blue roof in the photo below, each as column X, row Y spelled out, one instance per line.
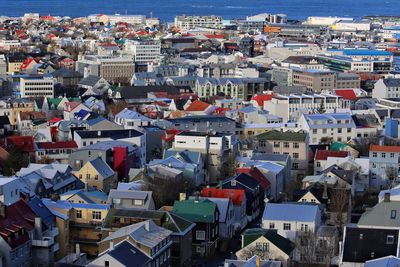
column 90, row 206
column 366, row 52
column 126, row 254
column 95, row 120
column 81, row 114
column 188, row 156
column 388, row 261
column 42, row 211
column 293, row 212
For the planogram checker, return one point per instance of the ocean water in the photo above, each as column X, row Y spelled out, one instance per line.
column 167, row 9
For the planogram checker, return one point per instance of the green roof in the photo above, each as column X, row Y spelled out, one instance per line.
column 251, row 235
column 282, row 136
column 200, row 211
column 54, row 101
column 337, row 146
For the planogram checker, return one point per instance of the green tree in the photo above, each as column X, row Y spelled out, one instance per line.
column 321, row 108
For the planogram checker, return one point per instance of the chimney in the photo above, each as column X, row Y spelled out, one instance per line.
column 196, row 199
column 258, row 261
column 98, row 133
column 147, row 226
column 111, row 245
column 386, row 197
column 209, row 193
column 38, row 228
column 77, row 251
column 325, row 194
column 182, row 196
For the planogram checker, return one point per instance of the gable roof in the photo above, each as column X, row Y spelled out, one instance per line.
column 126, row 253
column 379, row 148
column 256, row 174
column 237, row 195
column 348, row 94
column 196, row 211
column 101, row 167
column 282, row 136
column 197, row 105
column 324, row 154
column 252, row 234
column 293, row 212
column 57, row 145
column 23, row 143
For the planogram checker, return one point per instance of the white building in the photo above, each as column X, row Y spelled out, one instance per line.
column 131, row 119
column 144, row 51
column 36, row 87
column 9, row 44
column 290, row 107
column 325, row 21
column 9, row 190
column 386, row 88
column 185, row 22
column 131, row 19
column 327, row 127
column 295, row 218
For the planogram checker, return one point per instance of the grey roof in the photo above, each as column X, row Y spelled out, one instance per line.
column 90, row 80
column 293, row 212
column 269, row 157
column 392, row 82
column 380, row 215
column 130, row 194
column 126, row 253
column 102, row 168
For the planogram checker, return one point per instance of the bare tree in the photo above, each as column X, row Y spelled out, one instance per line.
column 228, row 167
column 260, row 250
column 362, row 144
column 338, row 207
column 391, row 175
column 306, row 247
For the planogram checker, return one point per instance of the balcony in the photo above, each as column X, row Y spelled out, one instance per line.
column 44, row 242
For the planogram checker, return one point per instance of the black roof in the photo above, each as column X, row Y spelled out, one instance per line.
column 126, row 254
column 363, row 244
column 113, row 134
column 244, row 179
column 137, row 92
column 4, row 120
column 201, row 118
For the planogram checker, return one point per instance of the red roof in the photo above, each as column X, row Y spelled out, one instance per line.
column 214, row 36
column 256, row 174
column 69, row 106
column 54, row 120
column 384, row 148
column 23, row 143
column 347, row 94
column 237, row 195
column 170, row 134
column 324, row 154
column 18, row 216
column 198, row 105
column 27, row 62
column 262, row 98
column 57, row 145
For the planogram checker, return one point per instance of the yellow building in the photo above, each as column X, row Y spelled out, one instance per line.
column 98, row 175
column 20, row 105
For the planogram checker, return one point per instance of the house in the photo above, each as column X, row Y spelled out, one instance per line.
column 84, row 138
column 101, row 123
column 204, row 124
column 93, row 85
column 181, row 236
column 386, row 88
column 199, row 107
column 119, row 155
column 97, row 174
column 297, row 217
column 131, row 199
column 365, row 243
column 294, row 144
column 384, row 165
column 131, row 119
column 205, row 214
column 258, row 175
column 321, row 158
column 122, row 254
column 328, row 127
column 238, row 198
column 226, row 216
column 59, row 151
column 9, row 190
column 266, row 244
column 253, row 190
column 153, row 240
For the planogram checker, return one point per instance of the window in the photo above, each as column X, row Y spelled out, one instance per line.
column 295, row 155
column 295, row 145
column 383, row 155
column 314, row 131
column 374, row 154
column 392, row 155
column 349, row 130
column 106, row 263
column 286, row 144
column 138, row 202
column 339, row 130
column 295, row 165
column 277, row 144
column 390, row 239
column 304, row 227
column 96, row 215
column 264, row 247
column 393, row 214
column 271, row 225
column 78, row 214
column 286, row 226
column 116, row 201
column 318, row 164
column 200, row 235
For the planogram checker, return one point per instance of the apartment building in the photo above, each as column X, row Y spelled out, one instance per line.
column 386, row 88
column 384, row 165
column 215, row 148
column 143, row 51
column 294, row 144
column 328, row 127
column 39, row 86
column 347, row 80
column 315, row 80
column 111, row 68
column 290, row 107
column 185, row 22
column 9, row 190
